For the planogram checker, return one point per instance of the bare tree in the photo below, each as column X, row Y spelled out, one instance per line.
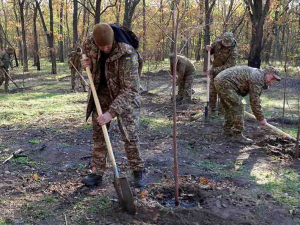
column 209, row 5
column 36, row 43
column 49, row 35
column 75, row 30
column 61, row 32
column 144, row 29
column 22, row 17
column 129, row 11
column 258, row 13
column 95, row 11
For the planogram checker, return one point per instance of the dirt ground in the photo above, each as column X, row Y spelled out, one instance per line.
column 221, row 182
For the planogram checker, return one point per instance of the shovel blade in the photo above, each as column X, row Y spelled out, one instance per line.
column 128, row 202
column 119, row 193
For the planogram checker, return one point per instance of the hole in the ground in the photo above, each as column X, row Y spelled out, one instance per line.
column 189, row 196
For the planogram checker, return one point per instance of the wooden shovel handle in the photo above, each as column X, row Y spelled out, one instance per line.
column 208, row 78
column 275, row 129
column 99, row 111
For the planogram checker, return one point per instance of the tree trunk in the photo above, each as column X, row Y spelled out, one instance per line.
column 36, row 43
column 68, row 44
column 25, row 59
column 257, row 16
column 61, row 32
column 98, row 11
column 208, row 10
column 118, row 12
column 51, row 40
column 144, row 30
column 75, row 31
column 20, row 53
column 129, row 11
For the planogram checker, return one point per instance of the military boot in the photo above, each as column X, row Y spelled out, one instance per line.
column 92, row 180
column 84, row 89
column 139, row 178
column 240, row 138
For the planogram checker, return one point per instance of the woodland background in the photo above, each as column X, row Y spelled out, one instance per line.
column 265, row 30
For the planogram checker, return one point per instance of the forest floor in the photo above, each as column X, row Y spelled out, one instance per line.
column 221, row 182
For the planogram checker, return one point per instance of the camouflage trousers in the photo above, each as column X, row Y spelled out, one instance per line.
column 4, row 78
column 74, row 77
column 185, row 87
column 213, row 95
column 128, row 125
column 233, row 107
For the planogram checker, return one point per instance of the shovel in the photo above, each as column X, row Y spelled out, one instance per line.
column 206, row 110
column 120, row 183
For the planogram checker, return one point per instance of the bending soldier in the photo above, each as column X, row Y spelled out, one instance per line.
column 185, row 71
column 115, row 68
column 5, row 63
column 75, row 66
column 224, row 50
column 238, row 81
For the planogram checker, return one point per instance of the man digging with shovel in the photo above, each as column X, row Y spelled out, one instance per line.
column 236, row 82
column 114, row 65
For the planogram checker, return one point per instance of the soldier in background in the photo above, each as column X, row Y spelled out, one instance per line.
column 224, row 50
column 185, row 75
column 236, row 82
column 74, row 61
column 114, row 64
column 5, row 63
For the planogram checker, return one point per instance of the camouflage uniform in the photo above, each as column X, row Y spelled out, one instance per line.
column 224, row 57
column 185, row 76
column 5, row 62
column 75, row 59
column 118, row 91
column 233, row 83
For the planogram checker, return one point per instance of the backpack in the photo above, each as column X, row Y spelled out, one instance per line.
column 134, row 39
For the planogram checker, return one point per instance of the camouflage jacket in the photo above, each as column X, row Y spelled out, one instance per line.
column 75, row 59
column 184, row 67
column 5, row 60
column 244, row 80
column 121, row 71
column 224, row 57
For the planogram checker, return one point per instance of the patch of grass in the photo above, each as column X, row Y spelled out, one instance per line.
column 100, row 205
column 36, row 211
column 160, row 125
column 284, row 186
column 24, row 160
column 81, row 166
column 66, row 144
column 4, row 223
column 227, row 170
column 87, row 126
column 37, row 142
column 50, row 199
column 2, row 146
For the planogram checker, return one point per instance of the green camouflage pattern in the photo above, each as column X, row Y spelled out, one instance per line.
column 235, row 82
column 121, row 98
column 75, row 59
column 185, row 76
column 5, row 63
column 224, row 57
